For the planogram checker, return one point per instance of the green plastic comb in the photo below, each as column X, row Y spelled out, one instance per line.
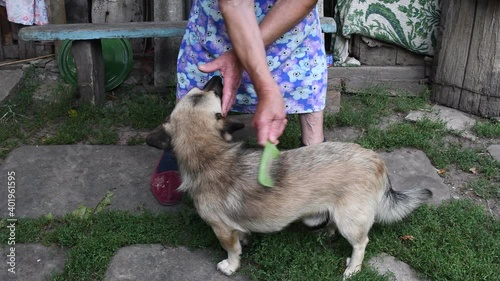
column 268, row 155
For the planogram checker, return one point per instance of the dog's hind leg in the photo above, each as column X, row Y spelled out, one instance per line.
column 229, row 240
column 357, row 256
column 355, row 229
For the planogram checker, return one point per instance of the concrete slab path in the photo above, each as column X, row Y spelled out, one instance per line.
column 157, row 262
column 9, row 79
column 58, row 179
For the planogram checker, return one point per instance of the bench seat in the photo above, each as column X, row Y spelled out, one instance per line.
column 89, row 31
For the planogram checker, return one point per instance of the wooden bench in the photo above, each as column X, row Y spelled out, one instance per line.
column 86, row 47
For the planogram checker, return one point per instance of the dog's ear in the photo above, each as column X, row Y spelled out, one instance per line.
column 228, row 126
column 214, row 84
column 232, row 126
column 159, row 138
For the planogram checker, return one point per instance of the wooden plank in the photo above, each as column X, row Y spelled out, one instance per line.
column 373, row 52
column 77, row 11
column 90, row 71
column 166, row 49
column 2, row 57
column 398, row 79
column 57, row 15
column 405, row 57
column 469, row 101
column 482, row 76
column 457, row 18
column 87, row 31
column 4, row 30
column 112, row 11
column 5, row 27
column 11, row 52
column 44, row 48
column 489, row 106
column 26, row 49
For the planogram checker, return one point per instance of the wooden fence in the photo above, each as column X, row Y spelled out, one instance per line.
column 467, row 65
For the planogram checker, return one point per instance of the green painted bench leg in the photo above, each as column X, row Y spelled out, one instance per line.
column 90, row 70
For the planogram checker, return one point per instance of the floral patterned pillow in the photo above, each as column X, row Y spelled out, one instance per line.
column 411, row 24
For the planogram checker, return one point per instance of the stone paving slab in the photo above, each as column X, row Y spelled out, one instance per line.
column 58, row 179
column 494, row 151
column 9, row 79
column 159, row 263
column 410, row 168
column 456, row 120
column 33, row 262
column 399, row 270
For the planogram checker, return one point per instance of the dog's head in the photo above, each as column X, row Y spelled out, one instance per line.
column 197, row 114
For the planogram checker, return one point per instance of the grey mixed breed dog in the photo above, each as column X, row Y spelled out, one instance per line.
column 341, row 185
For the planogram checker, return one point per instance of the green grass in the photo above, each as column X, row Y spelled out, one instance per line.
column 366, row 110
column 457, row 241
column 487, row 129
column 56, row 120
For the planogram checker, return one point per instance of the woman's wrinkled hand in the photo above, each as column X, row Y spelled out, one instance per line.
column 232, row 71
column 270, row 116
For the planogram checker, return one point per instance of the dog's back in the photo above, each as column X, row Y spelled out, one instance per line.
column 309, row 181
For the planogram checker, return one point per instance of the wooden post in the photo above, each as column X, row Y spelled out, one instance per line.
column 57, row 15
column 90, row 70
column 167, row 49
column 2, row 57
column 4, row 31
column 87, row 55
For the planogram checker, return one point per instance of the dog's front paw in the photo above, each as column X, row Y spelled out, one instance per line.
column 226, row 268
column 350, row 270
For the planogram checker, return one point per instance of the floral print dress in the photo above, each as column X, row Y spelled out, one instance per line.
column 297, row 60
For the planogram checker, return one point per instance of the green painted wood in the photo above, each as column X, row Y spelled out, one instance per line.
column 89, row 31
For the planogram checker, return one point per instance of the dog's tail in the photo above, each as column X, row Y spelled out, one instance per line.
column 395, row 205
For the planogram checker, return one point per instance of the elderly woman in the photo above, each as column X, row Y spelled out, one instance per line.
column 271, row 56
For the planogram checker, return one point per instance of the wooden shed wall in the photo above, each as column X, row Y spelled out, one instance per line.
column 467, row 66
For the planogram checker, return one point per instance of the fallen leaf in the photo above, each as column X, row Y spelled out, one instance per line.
column 72, row 113
column 407, row 238
column 441, row 171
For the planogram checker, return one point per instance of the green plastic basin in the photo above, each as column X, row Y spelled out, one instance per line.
column 118, row 59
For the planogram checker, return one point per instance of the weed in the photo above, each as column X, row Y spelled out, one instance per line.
column 487, row 129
